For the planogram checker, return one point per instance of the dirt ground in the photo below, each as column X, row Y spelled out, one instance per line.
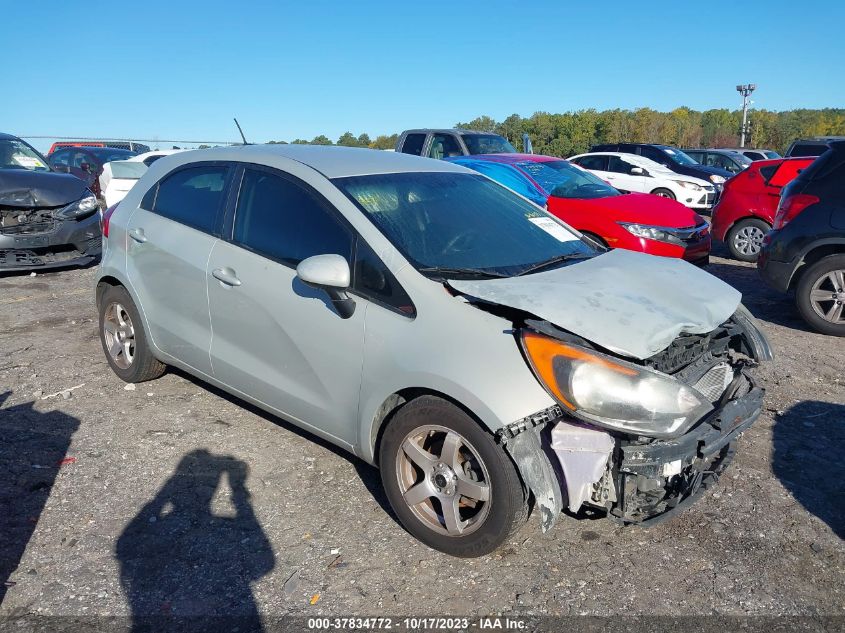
column 176, row 498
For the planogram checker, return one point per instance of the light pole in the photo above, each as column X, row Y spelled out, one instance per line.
column 745, row 90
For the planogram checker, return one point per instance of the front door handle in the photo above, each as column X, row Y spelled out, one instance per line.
column 226, row 276
column 138, row 235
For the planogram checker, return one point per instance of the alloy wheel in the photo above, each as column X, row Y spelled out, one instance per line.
column 443, row 480
column 749, row 240
column 827, row 296
column 119, row 335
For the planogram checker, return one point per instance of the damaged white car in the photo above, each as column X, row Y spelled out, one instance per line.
column 487, row 359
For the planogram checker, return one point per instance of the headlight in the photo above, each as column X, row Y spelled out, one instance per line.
column 715, row 178
column 688, row 185
column 80, row 208
column 612, row 393
column 652, row 233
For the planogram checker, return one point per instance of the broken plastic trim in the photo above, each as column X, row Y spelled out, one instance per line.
column 521, row 441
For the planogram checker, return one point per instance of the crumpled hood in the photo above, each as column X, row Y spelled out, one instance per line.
column 46, row 188
column 628, row 302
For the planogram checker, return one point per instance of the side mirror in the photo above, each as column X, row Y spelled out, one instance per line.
column 638, row 171
column 331, row 274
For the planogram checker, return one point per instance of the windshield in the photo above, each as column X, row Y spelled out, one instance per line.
column 15, row 154
column 487, row 144
column 679, row 156
column 460, row 221
column 127, row 169
column 561, row 179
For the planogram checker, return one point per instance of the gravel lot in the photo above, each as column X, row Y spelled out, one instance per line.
column 265, row 517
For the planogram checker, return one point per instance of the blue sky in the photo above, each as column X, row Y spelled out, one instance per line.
column 183, row 69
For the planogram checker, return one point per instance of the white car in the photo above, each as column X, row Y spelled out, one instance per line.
column 631, row 172
column 119, row 176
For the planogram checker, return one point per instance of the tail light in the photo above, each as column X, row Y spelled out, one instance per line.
column 107, row 218
column 790, row 206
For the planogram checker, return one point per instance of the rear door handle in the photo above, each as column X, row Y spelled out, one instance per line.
column 138, row 235
column 226, row 275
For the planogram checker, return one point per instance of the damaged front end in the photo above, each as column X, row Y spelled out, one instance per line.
column 637, row 439
column 36, row 236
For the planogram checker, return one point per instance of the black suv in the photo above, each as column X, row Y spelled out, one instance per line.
column 671, row 158
column 815, row 146
column 805, row 250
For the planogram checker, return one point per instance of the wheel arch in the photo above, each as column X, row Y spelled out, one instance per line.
column 373, row 432
column 813, row 254
column 747, row 216
column 111, row 279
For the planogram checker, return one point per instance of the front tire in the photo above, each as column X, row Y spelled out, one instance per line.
column 664, row 193
column 820, row 295
column 124, row 340
column 745, row 239
column 449, row 483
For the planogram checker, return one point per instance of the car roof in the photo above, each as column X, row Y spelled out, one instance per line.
column 509, row 158
column 446, row 130
column 330, row 160
column 8, row 137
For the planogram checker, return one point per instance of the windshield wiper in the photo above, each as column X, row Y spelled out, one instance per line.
column 550, row 262
column 445, row 271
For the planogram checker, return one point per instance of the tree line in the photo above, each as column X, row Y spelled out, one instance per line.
column 574, row 132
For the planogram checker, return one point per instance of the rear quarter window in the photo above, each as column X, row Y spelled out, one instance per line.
column 193, row 196
column 413, row 144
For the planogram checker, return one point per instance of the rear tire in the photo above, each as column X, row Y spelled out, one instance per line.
column 449, row 483
column 664, row 193
column 124, row 340
column 820, row 295
column 745, row 239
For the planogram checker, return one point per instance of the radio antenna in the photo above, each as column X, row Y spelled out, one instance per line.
column 241, row 131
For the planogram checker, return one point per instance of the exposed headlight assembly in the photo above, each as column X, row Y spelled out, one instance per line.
column 688, row 185
column 715, row 178
column 79, row 209
column 658, row 233
column 611, row 393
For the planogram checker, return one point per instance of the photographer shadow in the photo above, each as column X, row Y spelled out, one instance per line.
column 187, row 565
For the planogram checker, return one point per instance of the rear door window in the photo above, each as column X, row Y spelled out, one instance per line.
column 595, row 163
column 413, row 144
column 193, row 196
column 283, row 220
column 444, row 146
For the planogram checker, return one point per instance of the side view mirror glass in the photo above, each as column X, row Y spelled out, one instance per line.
column 331, row 274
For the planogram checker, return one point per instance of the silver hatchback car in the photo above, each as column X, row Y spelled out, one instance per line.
column 437, row 325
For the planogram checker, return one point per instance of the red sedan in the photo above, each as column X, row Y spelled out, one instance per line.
column 746, row 210
column 634, row 221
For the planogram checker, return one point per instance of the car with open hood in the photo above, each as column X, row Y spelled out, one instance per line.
column 649, row 224
column 438, row 326
column 47, row 219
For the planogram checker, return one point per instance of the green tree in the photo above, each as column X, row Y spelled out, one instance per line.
column 364, row 140
column 322, row 139
column 482, row 124
column 383, row 141
column 347, row 139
